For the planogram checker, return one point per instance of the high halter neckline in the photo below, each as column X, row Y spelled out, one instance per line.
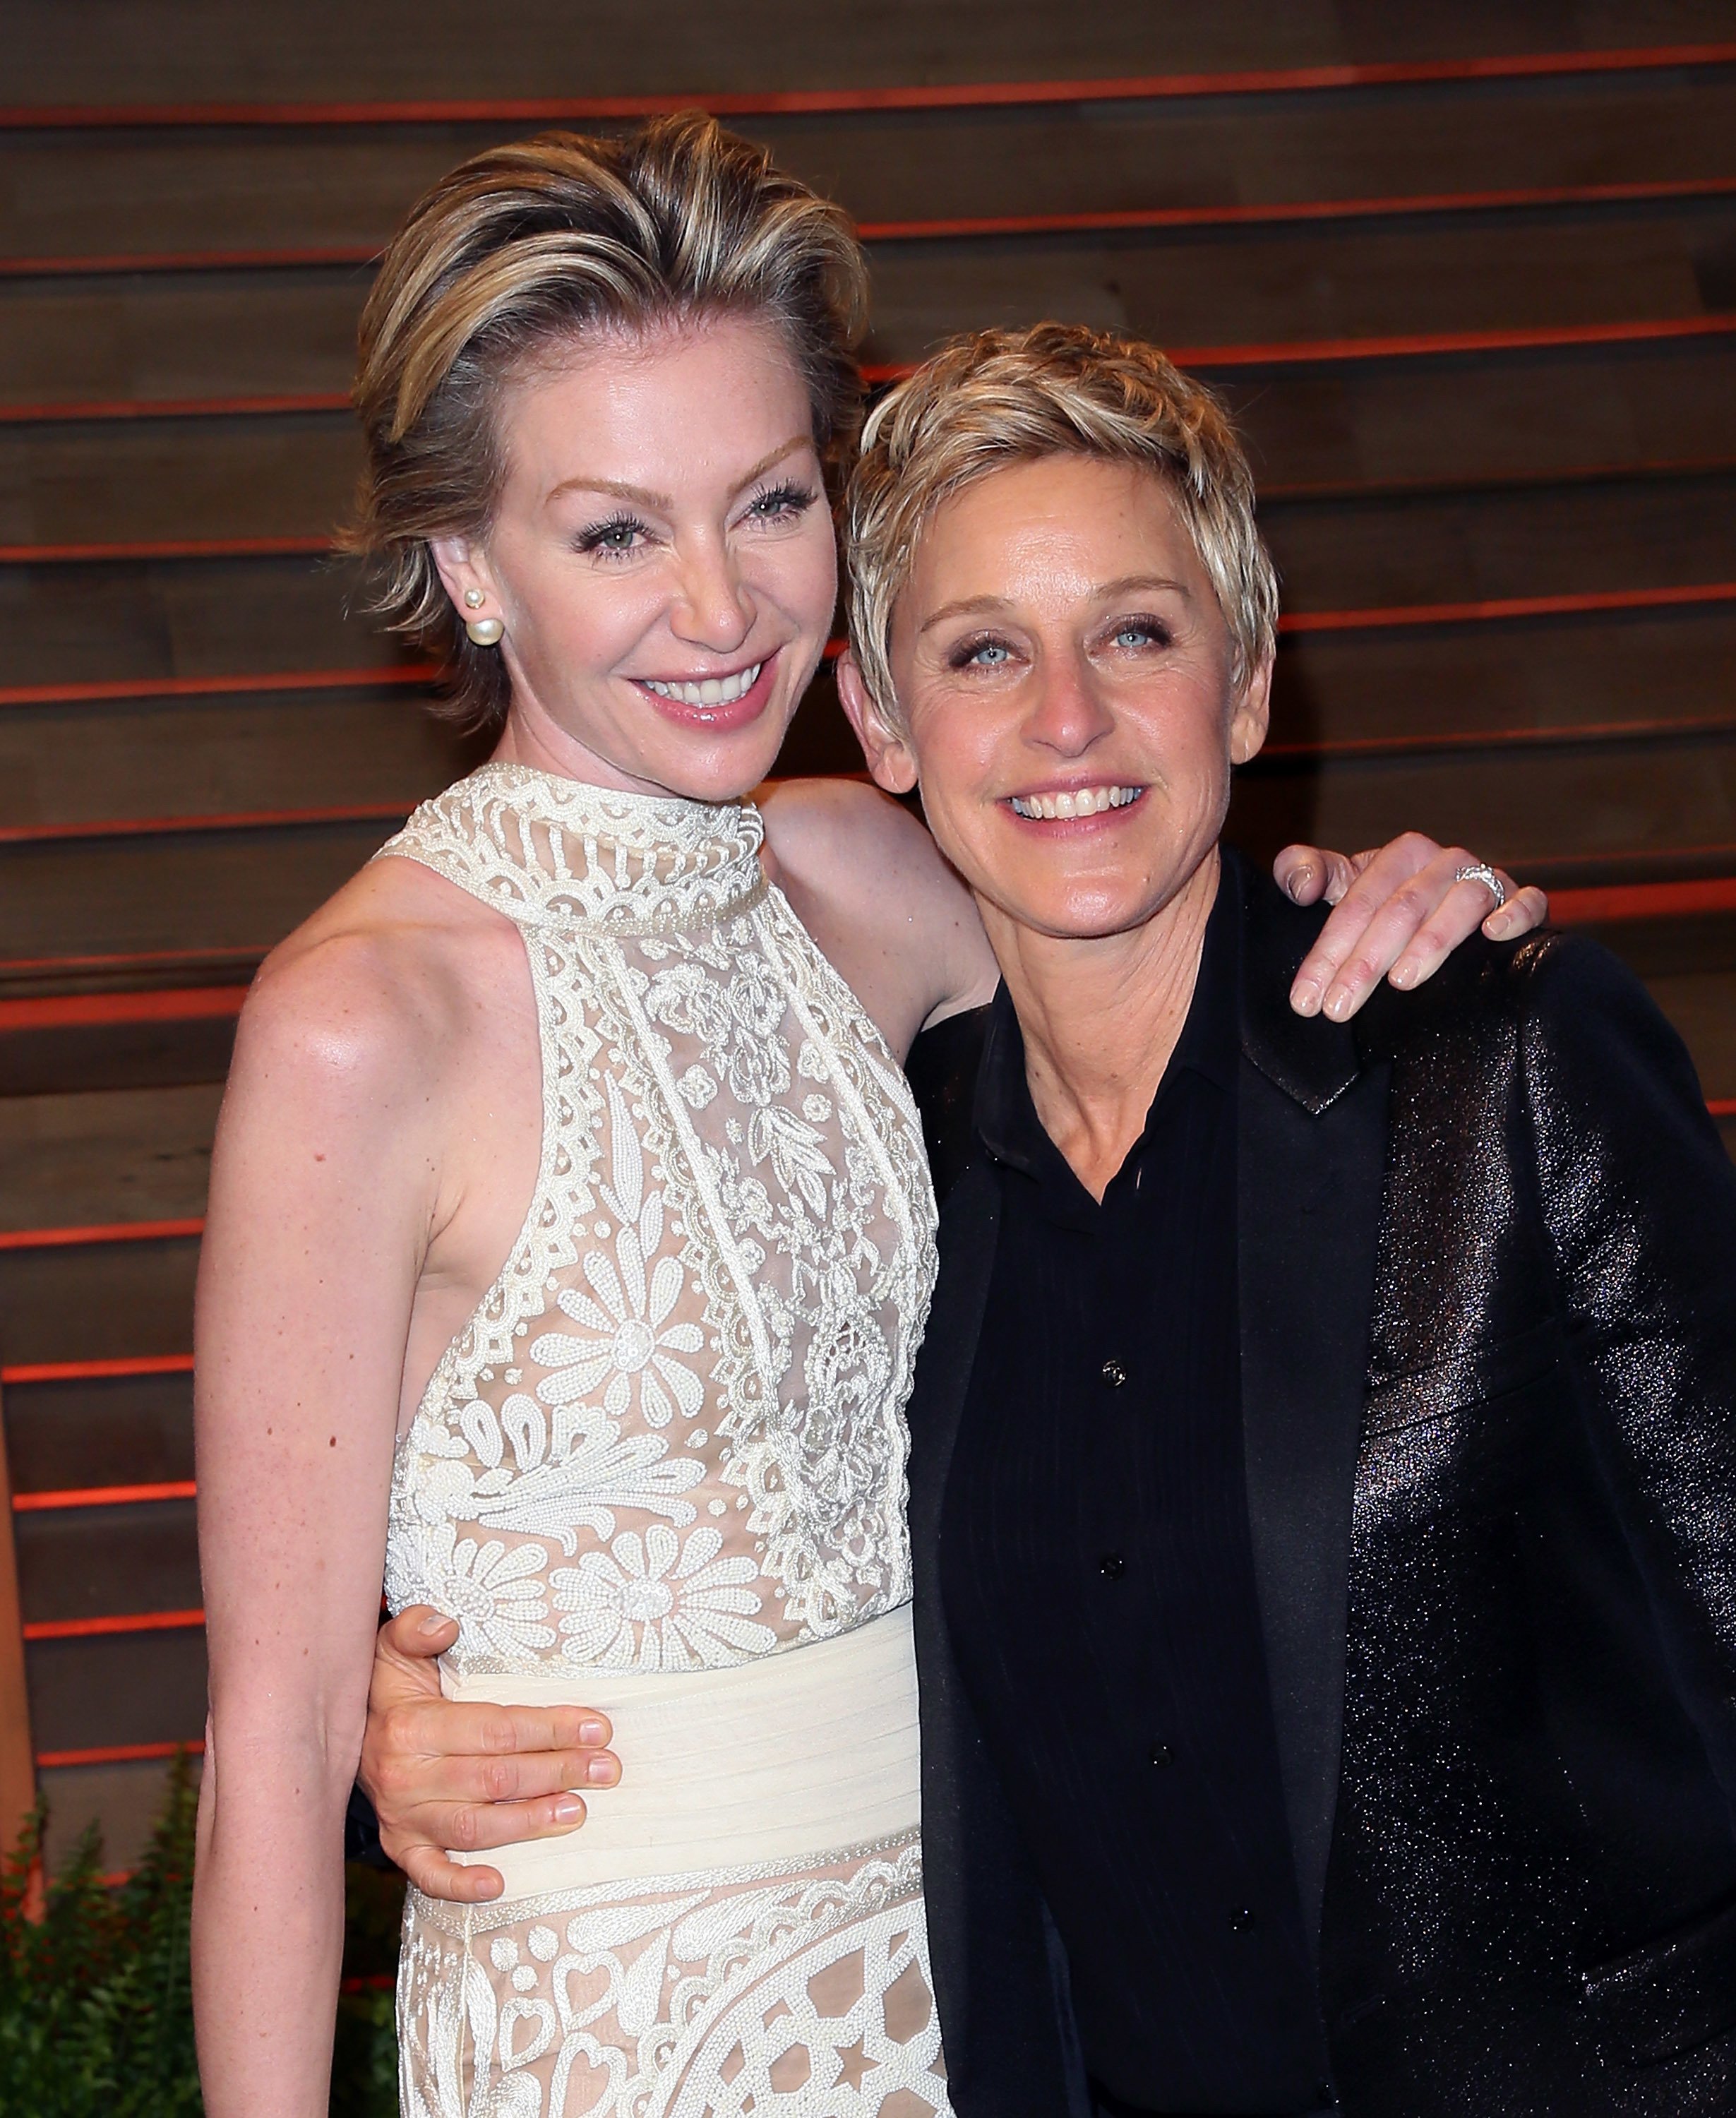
column 549, row 851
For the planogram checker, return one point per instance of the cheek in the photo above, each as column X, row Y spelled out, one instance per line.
column 585, row 623
column 801, row 577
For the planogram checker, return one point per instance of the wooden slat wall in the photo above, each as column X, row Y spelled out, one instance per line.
column 1467, row 275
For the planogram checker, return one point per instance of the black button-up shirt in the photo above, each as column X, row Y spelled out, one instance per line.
column 1098, row 1578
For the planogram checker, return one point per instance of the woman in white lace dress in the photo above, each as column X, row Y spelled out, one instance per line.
column 570, row 1236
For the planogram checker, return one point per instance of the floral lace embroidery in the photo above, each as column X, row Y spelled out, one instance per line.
column 778, row 1996
column 720, row 1281
column 671, row 1438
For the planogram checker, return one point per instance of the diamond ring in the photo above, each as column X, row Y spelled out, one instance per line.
column 1481, row 871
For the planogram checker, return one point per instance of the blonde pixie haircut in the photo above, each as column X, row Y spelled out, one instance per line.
column 526, row 250
column 1001, row 397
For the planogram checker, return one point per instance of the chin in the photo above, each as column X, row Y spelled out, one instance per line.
column 1085, row 917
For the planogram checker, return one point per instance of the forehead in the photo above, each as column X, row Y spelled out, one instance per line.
column 657, row 408
column 1062, row 520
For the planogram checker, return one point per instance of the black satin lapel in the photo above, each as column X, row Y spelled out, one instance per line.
column 1310, row 1188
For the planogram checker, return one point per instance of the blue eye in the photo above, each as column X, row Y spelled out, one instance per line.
column 783, row 503
column 1140, row 632
column 615, row 538
column 980, row 655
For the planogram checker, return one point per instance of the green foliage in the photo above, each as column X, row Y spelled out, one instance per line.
column 95, row 1996
column 96, row 2010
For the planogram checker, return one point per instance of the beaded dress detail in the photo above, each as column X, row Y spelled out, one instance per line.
column 670, row 1440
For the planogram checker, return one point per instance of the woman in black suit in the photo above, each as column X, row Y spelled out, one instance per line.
column 1326, row 1598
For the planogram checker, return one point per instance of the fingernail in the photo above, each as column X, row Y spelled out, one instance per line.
column 490, row 1889
column 429, row 1626
column 592, row 1734
column 568, row 1809
column 1404, row 975
column 1305, row 997
column 602, row 1772
column 1338, row 1006
column 1498, row 925
column 1298, row 879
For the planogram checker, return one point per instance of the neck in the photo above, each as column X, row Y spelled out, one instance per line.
column 1100, row 1018
column 533, row 737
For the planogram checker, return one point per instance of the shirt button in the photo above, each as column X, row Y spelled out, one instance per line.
column 1162, row 1754
column 1241, row 1920
column 1113, row 1373
column 1111, row 1566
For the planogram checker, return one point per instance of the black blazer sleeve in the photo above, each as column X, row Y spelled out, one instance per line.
column 1638, row 1203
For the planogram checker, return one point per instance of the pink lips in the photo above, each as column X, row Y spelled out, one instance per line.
column 723, row 719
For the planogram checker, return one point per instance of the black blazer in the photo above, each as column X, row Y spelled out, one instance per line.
column 1488, row 1264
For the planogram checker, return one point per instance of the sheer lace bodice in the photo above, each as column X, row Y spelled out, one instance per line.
column 671, row 1439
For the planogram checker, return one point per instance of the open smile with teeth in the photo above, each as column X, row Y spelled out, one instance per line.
column 1073, row 801
column 710, row 691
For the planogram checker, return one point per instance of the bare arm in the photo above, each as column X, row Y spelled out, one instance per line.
column 869, row 884
column 323, row 1193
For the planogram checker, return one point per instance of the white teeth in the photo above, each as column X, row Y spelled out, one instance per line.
column 1074, row 801
column 711, row 691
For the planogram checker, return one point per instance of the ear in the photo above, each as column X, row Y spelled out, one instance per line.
column 461, row 566
column 1252, row 715
column 890, row 762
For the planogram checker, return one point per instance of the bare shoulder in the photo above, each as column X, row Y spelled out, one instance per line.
column 868, row 883
column 378, row 990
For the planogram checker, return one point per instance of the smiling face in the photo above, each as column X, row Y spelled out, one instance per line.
column 1071, row 707
column 661, row 557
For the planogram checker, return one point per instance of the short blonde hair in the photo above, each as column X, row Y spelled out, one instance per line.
column 995, row 397
column 537, row 244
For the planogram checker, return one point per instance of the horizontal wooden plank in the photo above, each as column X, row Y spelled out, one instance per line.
column 135, row 482
column 83, row 1565
column 1382, row 205
column 208, row 891
column 105, row 1155
column 1550, row 673
column 224, row 754
column 125, row 1689
column 197, row 625
column 175, row 336
column 961, row 85
column 160, row 189
column 240, row 889
column 117, row 1041
column 132, row 622
column 1348, row 280
column 1446, row 421
column 1530, row 812
column 133, row 1428
column 1588, row 536
column 100, row 1300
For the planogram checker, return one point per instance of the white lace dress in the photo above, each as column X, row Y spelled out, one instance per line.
column 670, row 1444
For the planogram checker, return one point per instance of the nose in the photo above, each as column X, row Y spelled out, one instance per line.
column 713, row 607
column 1068, row 712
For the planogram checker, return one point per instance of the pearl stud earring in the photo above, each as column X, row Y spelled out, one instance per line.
column 483, row 631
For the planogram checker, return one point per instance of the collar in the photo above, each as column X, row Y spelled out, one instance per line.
column 1312, row 1059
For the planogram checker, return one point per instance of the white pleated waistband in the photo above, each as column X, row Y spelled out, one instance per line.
column 803, row 1752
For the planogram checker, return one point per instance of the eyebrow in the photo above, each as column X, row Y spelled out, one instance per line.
column 1104, row 592
column 661, row 502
